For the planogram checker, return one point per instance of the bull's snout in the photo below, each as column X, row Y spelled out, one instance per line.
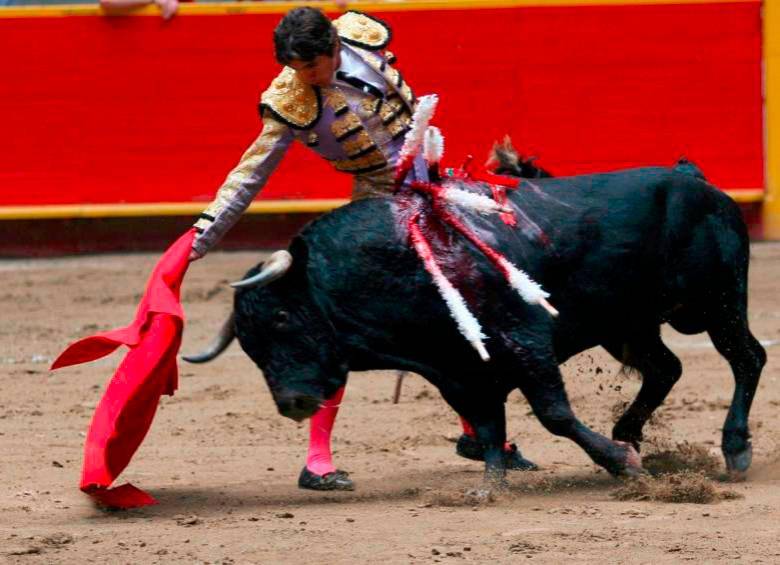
column 297, row 406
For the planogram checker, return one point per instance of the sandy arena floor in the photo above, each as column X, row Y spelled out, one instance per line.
column 224, row 465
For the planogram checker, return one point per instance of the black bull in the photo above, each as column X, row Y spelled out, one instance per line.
column 620, row 253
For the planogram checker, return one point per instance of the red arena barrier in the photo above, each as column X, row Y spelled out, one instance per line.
column 123, row 116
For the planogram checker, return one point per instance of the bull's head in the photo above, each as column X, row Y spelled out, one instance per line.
column 281, row 326
column 284, row 330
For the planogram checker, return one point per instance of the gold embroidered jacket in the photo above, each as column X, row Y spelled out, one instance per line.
column 358, row 124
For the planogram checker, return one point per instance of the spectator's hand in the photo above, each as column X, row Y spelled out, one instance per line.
column 168, row 8
column 194, row 255
column 341, row 4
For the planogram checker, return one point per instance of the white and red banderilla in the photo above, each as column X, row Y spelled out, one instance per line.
column 441, row 197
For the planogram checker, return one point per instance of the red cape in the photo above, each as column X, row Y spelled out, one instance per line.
column 125, row 413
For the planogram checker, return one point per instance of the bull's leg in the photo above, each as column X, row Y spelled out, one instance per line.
column 487, row 417
column 468, row 446
column 660, row 369
column 491, row 434
column 733, row 340
column 542, row 385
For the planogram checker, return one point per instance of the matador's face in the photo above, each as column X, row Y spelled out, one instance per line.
column 320, row 70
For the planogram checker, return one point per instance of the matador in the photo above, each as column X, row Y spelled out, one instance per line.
column 339, row 95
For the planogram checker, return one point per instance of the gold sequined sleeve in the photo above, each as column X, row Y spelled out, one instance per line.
column 242, row 184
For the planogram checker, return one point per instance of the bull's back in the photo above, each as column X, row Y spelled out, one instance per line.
column 637, row 244
column 606, row 246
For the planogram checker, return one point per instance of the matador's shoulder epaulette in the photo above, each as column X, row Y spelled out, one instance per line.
column 292, row 102
column 364, row 31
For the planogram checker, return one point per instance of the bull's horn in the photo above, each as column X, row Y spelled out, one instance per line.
column 276, row 266
column 220, row 343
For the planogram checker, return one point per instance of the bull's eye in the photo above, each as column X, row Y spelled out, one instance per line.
column 281, row 319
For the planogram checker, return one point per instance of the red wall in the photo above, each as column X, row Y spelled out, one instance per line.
column 134, row 109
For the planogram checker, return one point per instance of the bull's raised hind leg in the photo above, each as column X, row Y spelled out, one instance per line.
column 542, row 385
column 660, row 369
column 733, row 340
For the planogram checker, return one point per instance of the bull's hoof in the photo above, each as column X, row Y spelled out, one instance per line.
column 625, row 436
column 493, row 484
column 470, row 448
column 739, row 462
column 481, row 495
column 338, row 480
column 632, row 463
column 495, row 478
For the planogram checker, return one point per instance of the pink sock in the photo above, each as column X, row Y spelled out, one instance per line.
column 319, row 459
column 469, row 431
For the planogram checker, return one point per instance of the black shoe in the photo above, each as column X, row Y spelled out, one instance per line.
column 338, row 480
column 516, row 462
column 470, row 448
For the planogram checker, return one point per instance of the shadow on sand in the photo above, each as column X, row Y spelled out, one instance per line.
column 446, row 486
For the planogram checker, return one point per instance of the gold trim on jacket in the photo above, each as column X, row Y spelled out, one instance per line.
column 299, row 105
column 292, row 102
column 362, row 30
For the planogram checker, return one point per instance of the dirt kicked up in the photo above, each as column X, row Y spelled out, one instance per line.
column 224, row 465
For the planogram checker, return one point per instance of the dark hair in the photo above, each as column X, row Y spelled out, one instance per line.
column 303, row 34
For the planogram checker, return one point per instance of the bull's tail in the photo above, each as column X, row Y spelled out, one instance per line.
column 224, row 338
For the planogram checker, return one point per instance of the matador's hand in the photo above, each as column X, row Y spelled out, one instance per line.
column 168, row 8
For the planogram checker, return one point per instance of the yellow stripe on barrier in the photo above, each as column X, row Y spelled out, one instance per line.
column 234, row 8
column 70, row 211
column 747, row 195
column 159, row 209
